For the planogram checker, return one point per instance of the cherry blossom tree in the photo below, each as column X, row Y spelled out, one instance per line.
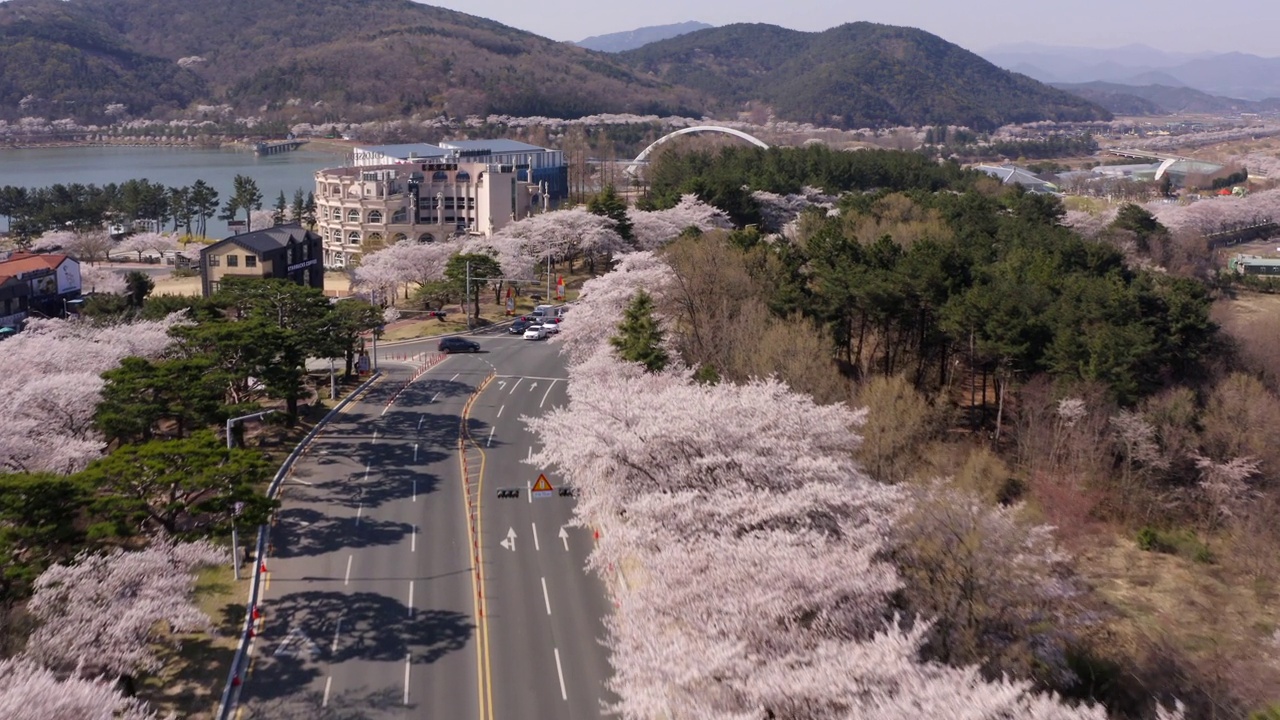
column 107, row 613
column 743, row 546
column 99, row 279
column 53, row 384
column 778, row 211
column 596, row 320
column 159, row 243
column 87, row 247
column 562, row 235
column 54, row 240
column 653, row 229
column 31, row 692
column 386, row 270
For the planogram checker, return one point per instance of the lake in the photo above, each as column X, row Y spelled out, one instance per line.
column 175, row 167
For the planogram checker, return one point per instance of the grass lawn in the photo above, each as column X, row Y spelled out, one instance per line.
column 191, row 683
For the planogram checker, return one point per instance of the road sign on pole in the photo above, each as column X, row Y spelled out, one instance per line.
column 542, row 488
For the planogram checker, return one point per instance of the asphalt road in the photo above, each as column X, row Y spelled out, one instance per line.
column 373, row 609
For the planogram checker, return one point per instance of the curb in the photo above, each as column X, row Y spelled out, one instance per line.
column 231, row 693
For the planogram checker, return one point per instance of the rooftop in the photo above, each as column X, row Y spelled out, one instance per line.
column 21, row 262
column 498, row 145
column 264, row 241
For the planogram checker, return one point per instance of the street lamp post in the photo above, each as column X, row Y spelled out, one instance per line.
column 235, row 533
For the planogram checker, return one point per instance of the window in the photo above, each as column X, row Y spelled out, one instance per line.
column 288, row 255
column 353, row 215
column 462, row 177
column 426, row 238
column 400, row 216
column 353, row 237
column 214, row 261
column 233, row 261
column 439, row 176
column 398, row 237
column 375, row 217
column 214, row 286
column 250, row 261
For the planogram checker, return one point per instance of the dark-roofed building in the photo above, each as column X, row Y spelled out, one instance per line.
column 283, row 251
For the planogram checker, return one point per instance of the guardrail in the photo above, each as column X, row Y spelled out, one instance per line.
column 230, row 694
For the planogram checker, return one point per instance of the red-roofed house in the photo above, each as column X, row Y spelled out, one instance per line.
column 39, row 283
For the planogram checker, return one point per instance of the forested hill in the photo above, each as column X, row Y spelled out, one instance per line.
column 856, row 75
column 349, row 59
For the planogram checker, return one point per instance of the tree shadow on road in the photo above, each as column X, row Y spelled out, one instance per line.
column 298, row 638
column 360, row 704
column 304, row 531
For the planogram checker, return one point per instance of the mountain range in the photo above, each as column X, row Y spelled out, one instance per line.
column 360, row 60
column 632, row 39
column 1231, row 75
column 855, row 75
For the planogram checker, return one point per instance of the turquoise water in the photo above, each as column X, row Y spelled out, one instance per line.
column 42, row 167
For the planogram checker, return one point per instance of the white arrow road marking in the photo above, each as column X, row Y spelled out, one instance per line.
column 536, row 545
column 564, row 537
column 534, row 386
column 502, row 384
column 296, row 643
column 510, row 542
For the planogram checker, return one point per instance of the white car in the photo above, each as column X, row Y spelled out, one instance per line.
column 551, row 328
column 535, row 332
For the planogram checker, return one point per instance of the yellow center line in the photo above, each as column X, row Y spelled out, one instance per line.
column 483, row 668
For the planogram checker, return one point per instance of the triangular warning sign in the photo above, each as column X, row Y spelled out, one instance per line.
column 542, row 485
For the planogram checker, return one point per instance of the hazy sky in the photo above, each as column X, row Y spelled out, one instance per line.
column 1174, row 25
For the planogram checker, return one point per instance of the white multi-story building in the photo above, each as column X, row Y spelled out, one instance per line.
column 543, row 166
column 363, row 208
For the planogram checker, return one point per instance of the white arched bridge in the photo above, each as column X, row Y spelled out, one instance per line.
column 644, row 156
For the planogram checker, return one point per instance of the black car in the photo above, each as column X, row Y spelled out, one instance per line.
column 458, row 344
column 518, row 327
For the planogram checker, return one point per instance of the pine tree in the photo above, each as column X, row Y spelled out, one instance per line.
column 639, row 338
column 609, row 204
column 279, row 210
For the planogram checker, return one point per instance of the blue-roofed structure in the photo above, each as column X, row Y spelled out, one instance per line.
column 532, row 164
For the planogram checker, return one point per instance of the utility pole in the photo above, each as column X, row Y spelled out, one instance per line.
column 373, row 295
